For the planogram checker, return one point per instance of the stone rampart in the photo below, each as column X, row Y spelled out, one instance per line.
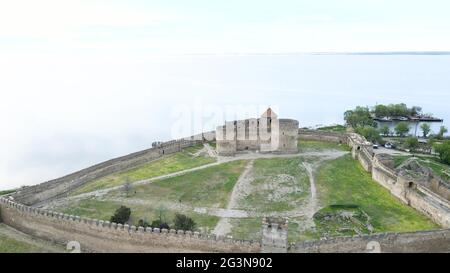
column 103, row 236
column 434, row 241
column 61, row 186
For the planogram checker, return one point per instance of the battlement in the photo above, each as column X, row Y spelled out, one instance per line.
column 95, row 234
column 59, row 187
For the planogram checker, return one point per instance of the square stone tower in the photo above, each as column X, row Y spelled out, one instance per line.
column 274, row 235
column 265, row 134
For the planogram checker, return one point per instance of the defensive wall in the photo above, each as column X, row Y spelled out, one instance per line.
column 59, row 187
column 103, row 236
column 415, row 242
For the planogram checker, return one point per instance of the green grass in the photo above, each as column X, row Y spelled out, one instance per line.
column 169, row 164
column 269, row 185
column 335, row 128
column 104, row 209
column 6, row 192
column 344, row 181
column 438, row 168
column 313, row 145
column 246, row 228
column 433, row 163
column 16, row 242
column 209, row 187
column 399, row 159
column 9, row 245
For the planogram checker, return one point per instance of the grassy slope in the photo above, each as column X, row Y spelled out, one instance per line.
column 210, row 187
column 6, row 192
column 312, row 145
column 166, row 165
column 207, row 187
column 343, row 181
column 15, row 242
column 104, row 209
column 335, row 128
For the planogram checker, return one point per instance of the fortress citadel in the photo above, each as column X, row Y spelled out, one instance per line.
column 265, row 134
column 21, row 209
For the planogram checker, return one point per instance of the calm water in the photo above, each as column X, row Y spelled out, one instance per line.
column 108, row 110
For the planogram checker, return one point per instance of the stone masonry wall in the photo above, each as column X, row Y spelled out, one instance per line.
column 411, row 242
column 58, row 187
column 103, row 236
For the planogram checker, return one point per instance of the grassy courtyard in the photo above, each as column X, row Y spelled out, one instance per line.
column 208, row 188
column 278, row 184
column 180, row 161
column 313, row 145
column 344, row 182
column 104, row 209
column 349, row 201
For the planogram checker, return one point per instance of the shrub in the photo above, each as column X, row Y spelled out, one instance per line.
column 444, row 151
column 370, row 133
column 159, row 224
column 412, row 143
column 183, row 222
column 122, row 215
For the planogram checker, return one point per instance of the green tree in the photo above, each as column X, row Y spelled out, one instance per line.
column 381, row 111
column 416, row 111
column 183, row 222
column 399, row 110
column 412, row 143
column 370, row 133
column 425, row 127
column 442, row 131
column 402, row 129
column 444, row 151
column 385, row 130
column 359, row 117
column 122, row 215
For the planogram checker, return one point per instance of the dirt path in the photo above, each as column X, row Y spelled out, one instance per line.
column 211, row 152
column 312, row 204
column 221, row 160
column 240, row 189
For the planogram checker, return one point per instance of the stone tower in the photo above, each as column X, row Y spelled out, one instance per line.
column 274, row 235
column 265, row 134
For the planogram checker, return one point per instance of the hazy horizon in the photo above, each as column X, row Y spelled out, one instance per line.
column 84, row 81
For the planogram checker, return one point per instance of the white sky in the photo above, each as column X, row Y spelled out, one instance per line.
column 77, row 70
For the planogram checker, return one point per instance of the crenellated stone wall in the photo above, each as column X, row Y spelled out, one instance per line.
column 61, row 186
column 433, row 241
column 103, row 236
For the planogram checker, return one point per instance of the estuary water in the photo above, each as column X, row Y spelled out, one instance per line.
column 70, row 115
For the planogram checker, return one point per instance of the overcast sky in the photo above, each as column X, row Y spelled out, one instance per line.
column 84, row 80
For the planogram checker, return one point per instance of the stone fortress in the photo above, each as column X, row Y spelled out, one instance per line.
column 264, row 134
column 21, row 211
